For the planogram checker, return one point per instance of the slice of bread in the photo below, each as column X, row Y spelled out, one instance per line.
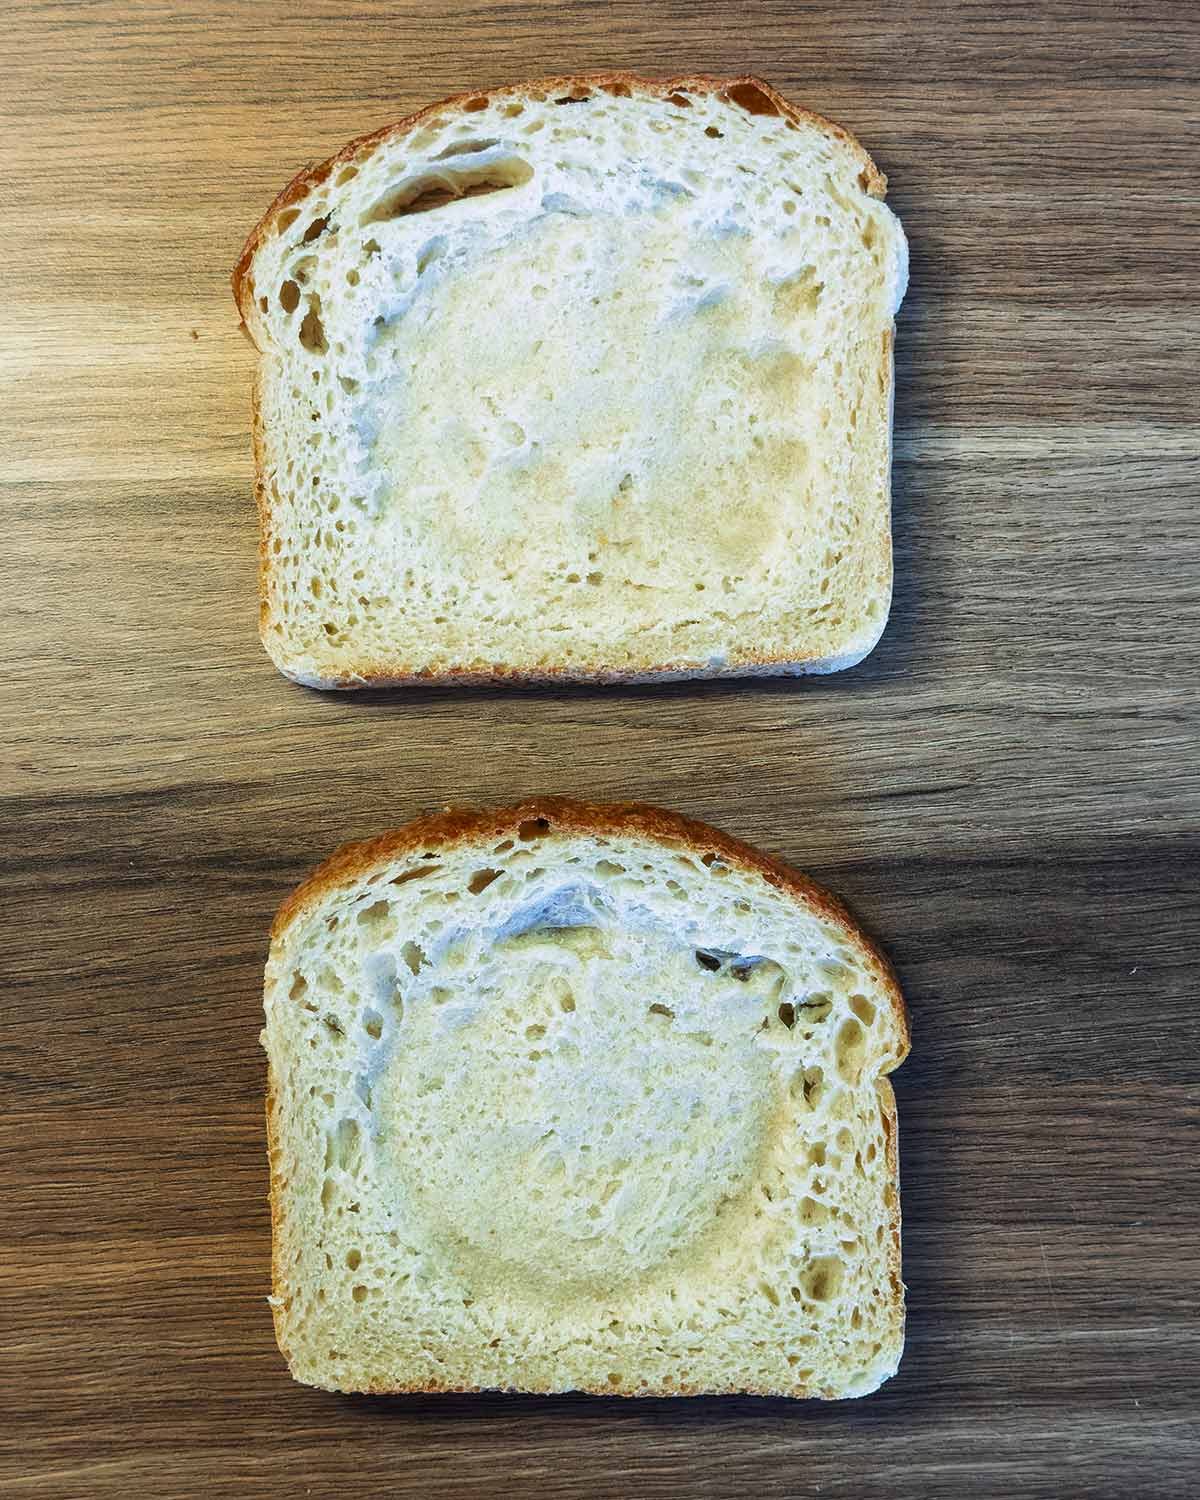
column 587, row 379
column 574, row 1096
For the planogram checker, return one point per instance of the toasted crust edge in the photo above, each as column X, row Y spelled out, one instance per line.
column 746, row 663
column 462, row 824
column 743, row 663
column 312, row 177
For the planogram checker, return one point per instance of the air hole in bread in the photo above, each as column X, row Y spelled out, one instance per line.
column 315, row 230
column 808, row 1088
column 514, row 109
column 851, row 1050
column 662, row 1010
column 312, row 330
column 359, row 1293
column 375, row 916
column 373, row 1024
column 680, row 101
column 708, row 961
column 787, row 1014
column 817, row 1009
column 863, row 1009
column 713, row 132
column 576, row 96
column 370, row 247
column 419, row 873
column 752, row 99
column 435, row 190
column 823, row 1280
column 353, row 1259
column 347, row 174
column 618, row 90
column 287, row 218
column 481, row 880
column 533, row 828
column 289, row 296
column 465, row 148
column 813, row 1212
column 299, row 986
column 346, row 1144
column 473, row 106
column 414, row 956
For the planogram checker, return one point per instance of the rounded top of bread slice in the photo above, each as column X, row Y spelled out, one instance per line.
column 523, row 826
column 745, row 92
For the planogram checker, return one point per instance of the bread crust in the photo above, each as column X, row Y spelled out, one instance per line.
column 748, row 84
column 275, row 1198
column 744, row 90
column 463, row 824
column 740, row 663
column 460, row 825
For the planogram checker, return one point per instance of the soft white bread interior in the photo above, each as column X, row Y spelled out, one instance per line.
column 573, row 1096
column 589, row 378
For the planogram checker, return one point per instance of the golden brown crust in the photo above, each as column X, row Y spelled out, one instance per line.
column 275, row 1197
column 743, row 662
column 745, row 90
column 265, row 528
column 887, row 1110
column 459, row 825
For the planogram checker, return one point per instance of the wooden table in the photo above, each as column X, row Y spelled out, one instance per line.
column 1006, row 791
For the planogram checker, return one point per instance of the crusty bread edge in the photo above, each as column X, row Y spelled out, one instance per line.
column 463, row 824
column 744, row 663
column 738, row 663
column 873, row 180
column 275, row 1197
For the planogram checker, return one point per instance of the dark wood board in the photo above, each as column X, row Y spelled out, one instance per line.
column 1006, row 791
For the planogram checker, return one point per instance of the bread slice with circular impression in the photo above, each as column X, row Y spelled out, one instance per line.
column 575, row 1096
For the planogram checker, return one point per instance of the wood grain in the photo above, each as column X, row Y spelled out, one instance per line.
column 1006, row 791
